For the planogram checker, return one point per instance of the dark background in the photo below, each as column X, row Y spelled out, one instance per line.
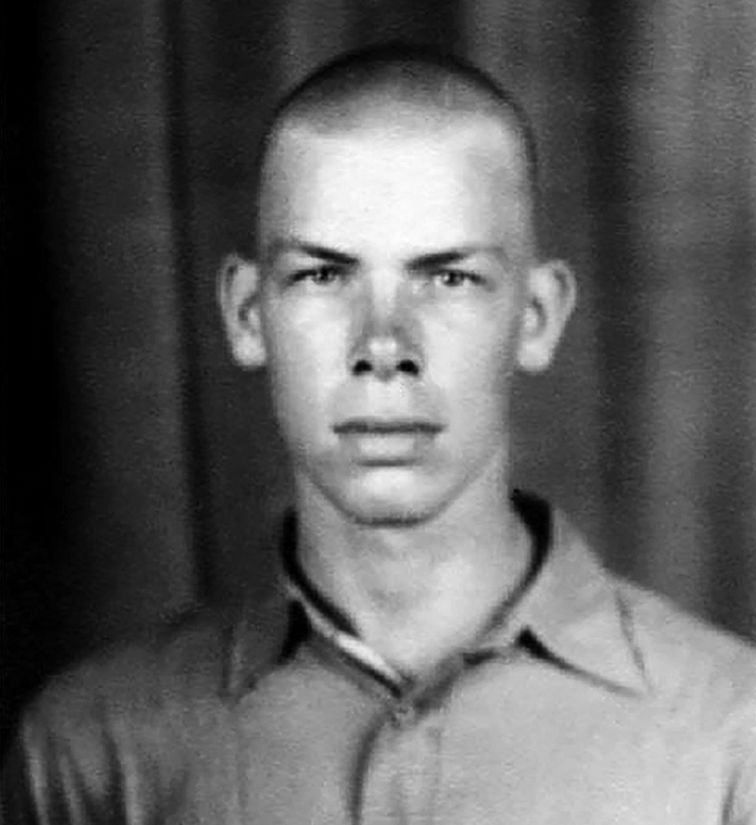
column 142, row 471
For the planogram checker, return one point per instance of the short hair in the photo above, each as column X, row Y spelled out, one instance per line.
column 402, row 73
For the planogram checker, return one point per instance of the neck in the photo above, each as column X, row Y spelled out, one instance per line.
column 420, row 592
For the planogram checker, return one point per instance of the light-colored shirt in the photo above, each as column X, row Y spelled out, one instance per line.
column 588, row 701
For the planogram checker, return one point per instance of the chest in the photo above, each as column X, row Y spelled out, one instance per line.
column 507, row 743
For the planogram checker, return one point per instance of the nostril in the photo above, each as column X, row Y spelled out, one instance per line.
column 408, row 366
column 384, row 369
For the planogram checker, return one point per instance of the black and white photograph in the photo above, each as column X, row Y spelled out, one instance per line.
column 379, row 412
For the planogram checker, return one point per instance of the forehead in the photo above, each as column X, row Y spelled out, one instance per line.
column 396, row 176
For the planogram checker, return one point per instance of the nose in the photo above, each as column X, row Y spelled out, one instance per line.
column 386, row 342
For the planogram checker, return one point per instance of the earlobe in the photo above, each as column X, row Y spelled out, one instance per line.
column 549, row 303
column 239, row 301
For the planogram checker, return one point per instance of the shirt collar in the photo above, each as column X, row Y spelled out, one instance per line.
column 334, row 626
column 571, row 608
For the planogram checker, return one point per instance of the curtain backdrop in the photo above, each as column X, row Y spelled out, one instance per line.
column 144, row 471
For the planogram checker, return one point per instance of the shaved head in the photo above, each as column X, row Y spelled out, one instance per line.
column 399, row 88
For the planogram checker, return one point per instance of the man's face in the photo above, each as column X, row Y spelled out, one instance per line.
column 391, row 302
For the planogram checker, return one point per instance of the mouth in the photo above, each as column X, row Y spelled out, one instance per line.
column 387, row 426
column 382, row 442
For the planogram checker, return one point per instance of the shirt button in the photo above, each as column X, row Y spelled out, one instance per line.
column 403, row 714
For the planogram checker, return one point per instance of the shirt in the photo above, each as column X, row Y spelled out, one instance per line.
column 589, row 700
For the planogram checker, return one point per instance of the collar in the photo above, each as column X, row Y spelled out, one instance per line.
column 570, row 608
column 336, row 627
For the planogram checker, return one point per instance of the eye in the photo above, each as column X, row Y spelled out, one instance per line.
column 455, row 278
column 325, row 275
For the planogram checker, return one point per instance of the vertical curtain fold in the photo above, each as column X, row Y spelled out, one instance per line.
column 691, row 107
column 147, row 470
column 124, row 539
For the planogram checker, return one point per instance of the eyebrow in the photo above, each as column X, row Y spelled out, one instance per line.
column 425, row 261
column 324, row 253
column 457, row 254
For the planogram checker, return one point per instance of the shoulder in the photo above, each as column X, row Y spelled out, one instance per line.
column 181, row 658
column 146, row 706
column 686, row 656
column 115, row 708
column 702, row 684
column 175, row 672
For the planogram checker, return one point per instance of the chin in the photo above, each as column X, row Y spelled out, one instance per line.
column 390, row 517
column 389, row 504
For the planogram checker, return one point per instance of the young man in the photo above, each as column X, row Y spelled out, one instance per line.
column 439, row 649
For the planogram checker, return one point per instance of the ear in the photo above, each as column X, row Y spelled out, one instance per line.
column 239, row 300
column 549, row 301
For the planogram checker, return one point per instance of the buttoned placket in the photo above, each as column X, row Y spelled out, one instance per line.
column 400, row 775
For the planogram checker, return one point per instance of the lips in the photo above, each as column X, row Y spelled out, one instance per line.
column 387, row 442
column 387, row 426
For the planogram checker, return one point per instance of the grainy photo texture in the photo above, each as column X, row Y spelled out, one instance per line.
column 381, row 412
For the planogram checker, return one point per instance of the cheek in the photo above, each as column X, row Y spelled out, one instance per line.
column 304, row 364
column 482, row 388
column 475, row 357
